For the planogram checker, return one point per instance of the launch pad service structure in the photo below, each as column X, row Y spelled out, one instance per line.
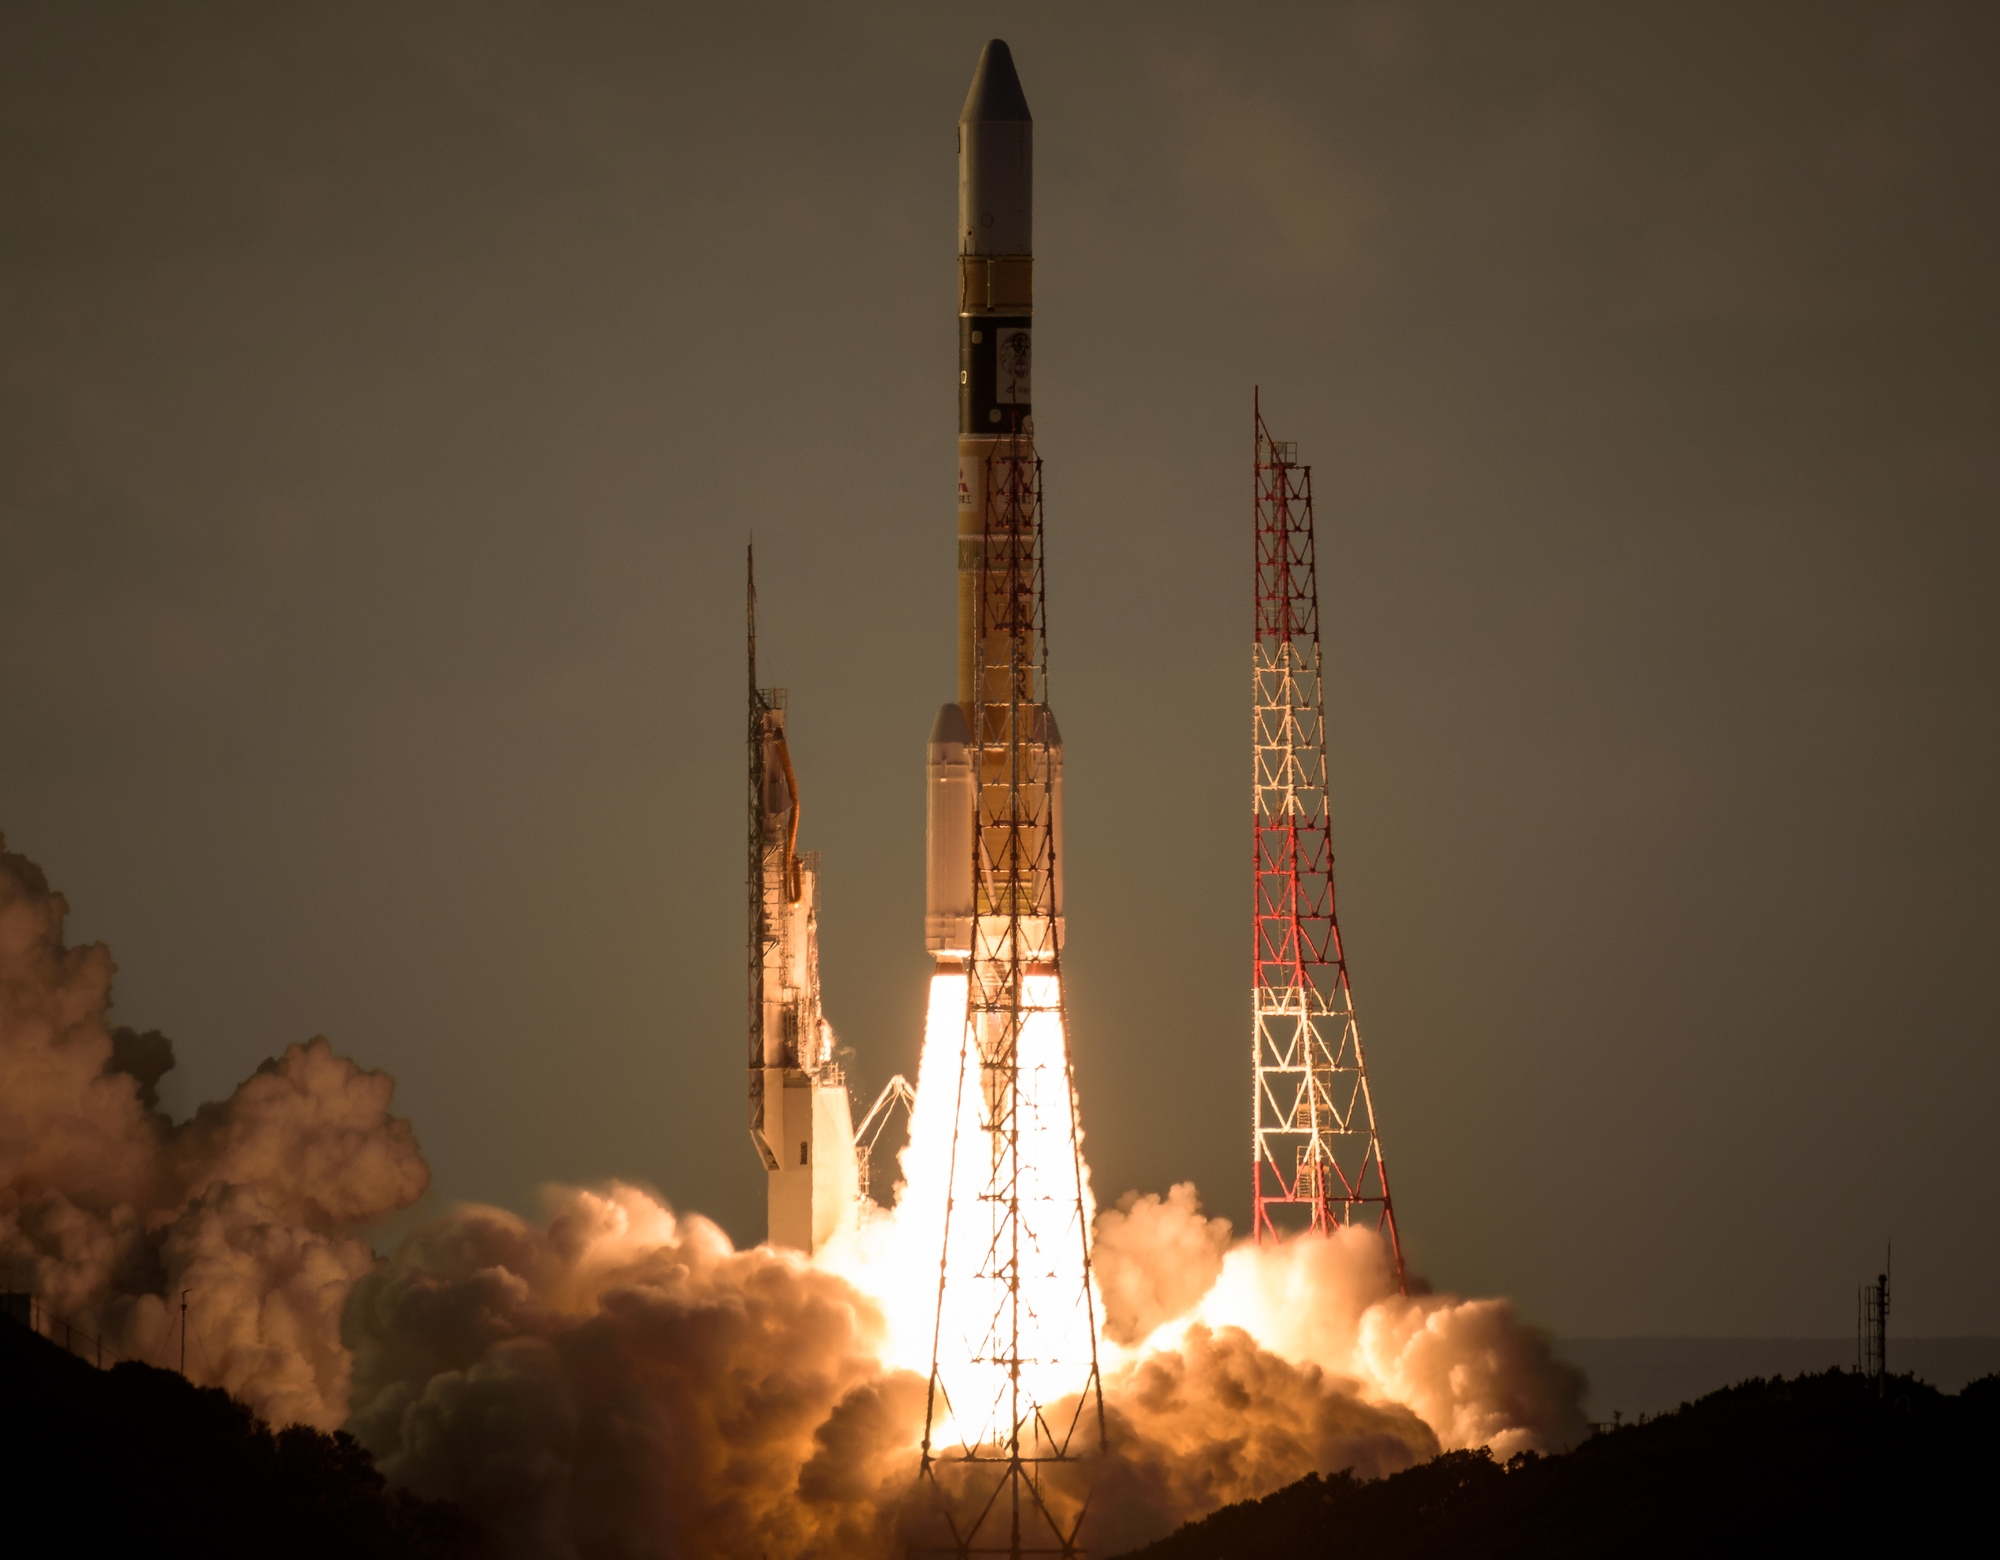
column 800, row 1117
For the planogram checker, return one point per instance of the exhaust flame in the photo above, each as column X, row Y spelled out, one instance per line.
column 949, row 1187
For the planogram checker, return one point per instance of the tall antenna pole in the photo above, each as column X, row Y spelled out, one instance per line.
column 184, row 1332
column 1871, row 1343
column 1313, row 1143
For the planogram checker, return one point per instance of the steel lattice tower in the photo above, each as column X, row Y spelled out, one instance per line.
column 1016, row 1256
column 1313, row 1137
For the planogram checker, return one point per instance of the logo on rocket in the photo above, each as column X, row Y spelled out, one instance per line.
column 1011, row 366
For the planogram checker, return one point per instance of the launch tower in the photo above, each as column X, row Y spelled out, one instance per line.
column 1313, row 1142
column 800, row 1119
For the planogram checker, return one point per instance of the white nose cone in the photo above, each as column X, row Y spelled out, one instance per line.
column 996, row 161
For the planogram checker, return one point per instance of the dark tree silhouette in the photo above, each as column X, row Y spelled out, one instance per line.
column 1781, row 1467
column 135, row 1460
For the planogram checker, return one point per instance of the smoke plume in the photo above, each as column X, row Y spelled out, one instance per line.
column 1155, row 1257
column 109, row 1210
column 619, row 1380
column 624, row 1382
column 1470, row 1370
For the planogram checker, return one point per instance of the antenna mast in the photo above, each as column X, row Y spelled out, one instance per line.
column 1313, row 1140
column 1872, row 1334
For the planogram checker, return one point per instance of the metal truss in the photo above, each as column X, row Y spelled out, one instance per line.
column 896, row 1092
column 777, row 875
column 1313, row 1139
column 764, row 908
column 1871, row 1333
column 1016, row 1258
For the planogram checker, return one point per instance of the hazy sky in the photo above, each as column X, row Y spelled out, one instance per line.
column 389, row 391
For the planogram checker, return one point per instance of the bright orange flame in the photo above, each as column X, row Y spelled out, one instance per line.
column 1327, row 1305
column 896, row 1259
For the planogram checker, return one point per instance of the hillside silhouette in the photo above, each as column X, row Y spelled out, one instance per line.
column 1780, row 1466
column 135, row 1460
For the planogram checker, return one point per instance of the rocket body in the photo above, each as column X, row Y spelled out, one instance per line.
column 996, row 309
column 998, row 734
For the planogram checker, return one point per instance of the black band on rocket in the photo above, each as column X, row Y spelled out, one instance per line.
column 994, row 363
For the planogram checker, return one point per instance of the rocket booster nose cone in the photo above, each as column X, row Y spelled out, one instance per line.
column 950, row 727
column 996, row 90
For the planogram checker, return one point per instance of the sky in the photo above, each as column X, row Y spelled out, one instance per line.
column 389, row 392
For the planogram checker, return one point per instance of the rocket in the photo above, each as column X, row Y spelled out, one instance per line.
column 979, row 863
column 993, row 884
column 1012, row 1336
column 800, row 1118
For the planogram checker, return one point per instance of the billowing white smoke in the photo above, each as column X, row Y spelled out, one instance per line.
column 621, row 1381
column 1468, row 1369
column 626, row 1383
column 1155, row 1258
column 108, row 1210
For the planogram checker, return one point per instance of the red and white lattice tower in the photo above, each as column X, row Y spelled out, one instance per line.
column 1313, row 1121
